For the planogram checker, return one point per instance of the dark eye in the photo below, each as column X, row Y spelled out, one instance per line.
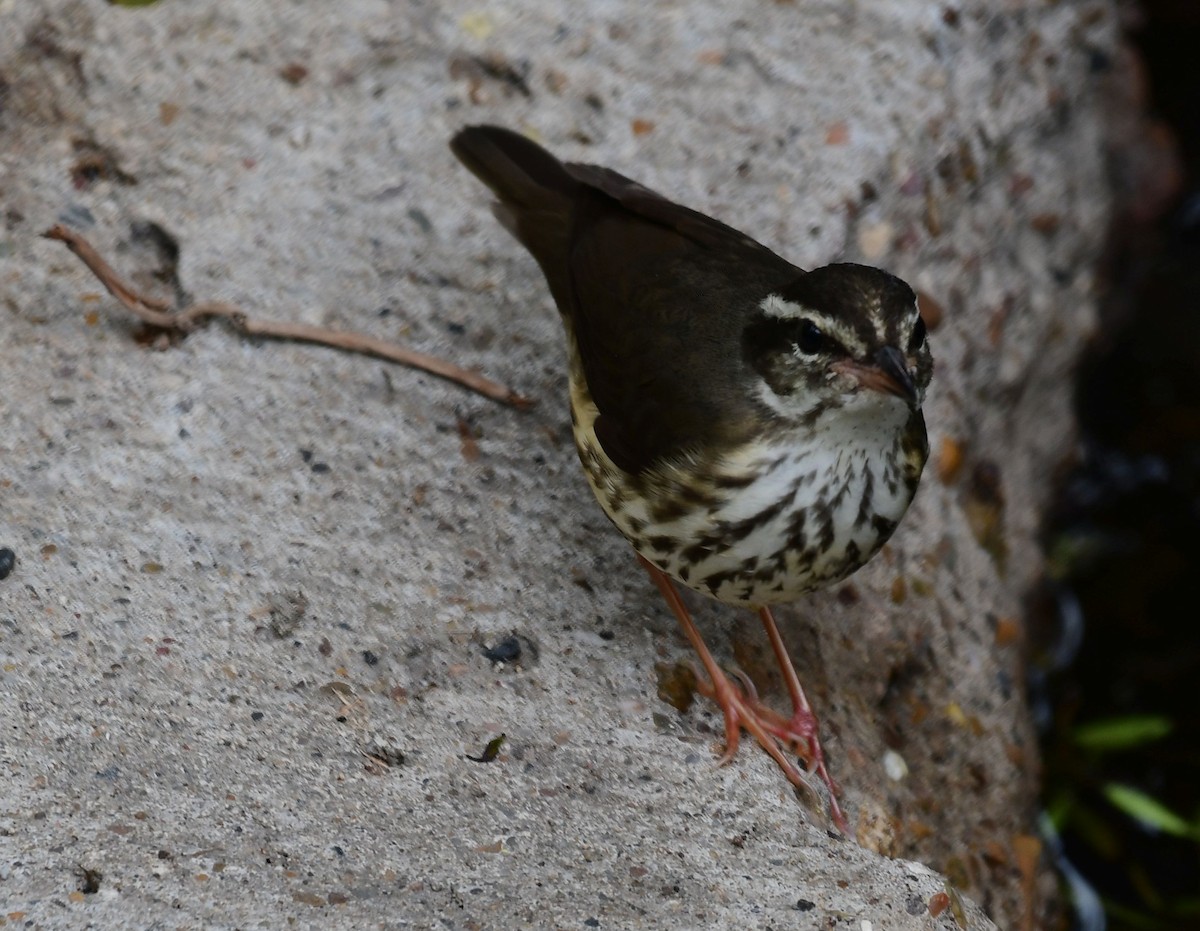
column 918, row 336
column 811, row 340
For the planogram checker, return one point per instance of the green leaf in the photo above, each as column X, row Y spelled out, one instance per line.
column 1141, row 807
column 1122, row 733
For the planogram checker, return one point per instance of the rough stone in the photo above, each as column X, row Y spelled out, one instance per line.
column 160, row 733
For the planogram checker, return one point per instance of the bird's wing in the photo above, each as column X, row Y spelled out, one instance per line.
column 659, row 297
column 656, row 295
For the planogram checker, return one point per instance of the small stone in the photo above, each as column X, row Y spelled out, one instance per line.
column 895, row 766
column 507, row 650
column 286, row 611
column 949, row 460
column 294, row 73
column 477, row 25
column 875, row 239
column 300, row 137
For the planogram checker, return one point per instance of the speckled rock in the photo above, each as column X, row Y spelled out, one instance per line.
column 242, row 647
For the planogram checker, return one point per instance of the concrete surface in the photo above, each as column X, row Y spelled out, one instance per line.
column 182, row 746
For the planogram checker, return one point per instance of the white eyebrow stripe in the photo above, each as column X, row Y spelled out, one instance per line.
column 881, row 333
column 775, row 306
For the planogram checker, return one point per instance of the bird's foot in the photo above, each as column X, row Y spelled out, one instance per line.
column 773, row 732
column 800, row 733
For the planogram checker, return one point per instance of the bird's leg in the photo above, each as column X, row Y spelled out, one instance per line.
column 724, row 692
column 739, row 713
column 802, row 728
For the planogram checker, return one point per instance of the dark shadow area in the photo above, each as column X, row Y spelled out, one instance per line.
column 1118, row 650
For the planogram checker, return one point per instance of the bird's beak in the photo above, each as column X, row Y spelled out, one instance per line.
column 888, row 374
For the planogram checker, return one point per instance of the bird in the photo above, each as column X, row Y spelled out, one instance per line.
column 753, row 429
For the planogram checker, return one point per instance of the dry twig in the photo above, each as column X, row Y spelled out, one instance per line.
column 159, row 313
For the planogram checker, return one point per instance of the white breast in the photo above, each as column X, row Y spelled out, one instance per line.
column 806, row 515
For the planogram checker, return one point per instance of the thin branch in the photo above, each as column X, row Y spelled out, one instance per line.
column 158, row 313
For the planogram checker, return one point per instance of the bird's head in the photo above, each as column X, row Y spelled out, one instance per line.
column 842, row 337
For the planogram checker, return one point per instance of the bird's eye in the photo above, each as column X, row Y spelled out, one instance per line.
column 811, row 340
column 918, row 335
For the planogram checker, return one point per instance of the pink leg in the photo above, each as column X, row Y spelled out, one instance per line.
column 741, row 709
column 802, row 728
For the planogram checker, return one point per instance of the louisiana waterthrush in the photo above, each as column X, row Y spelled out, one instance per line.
column 753, row 429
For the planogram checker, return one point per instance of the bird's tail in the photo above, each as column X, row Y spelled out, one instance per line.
column 516, row 168
column 535, row 193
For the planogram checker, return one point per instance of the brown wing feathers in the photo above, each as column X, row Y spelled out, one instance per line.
column 653, row 291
